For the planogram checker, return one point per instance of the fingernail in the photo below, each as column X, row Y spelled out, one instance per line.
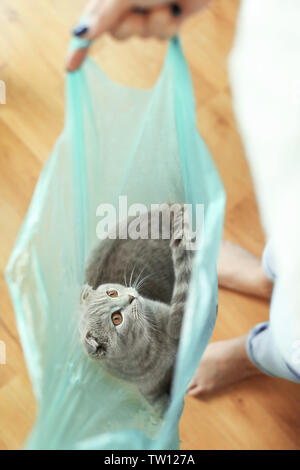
column 80, row 30
column 176, row 9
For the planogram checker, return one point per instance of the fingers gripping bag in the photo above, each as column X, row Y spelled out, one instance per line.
column 117, row 141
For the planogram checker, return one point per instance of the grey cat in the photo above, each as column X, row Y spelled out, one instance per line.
column 134, row 329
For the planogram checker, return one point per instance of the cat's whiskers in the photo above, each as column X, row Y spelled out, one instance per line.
column 138, row 278
column 145, row 321
column 132, row 272
column 141, row 282
column 138, row 284
column 125, row 275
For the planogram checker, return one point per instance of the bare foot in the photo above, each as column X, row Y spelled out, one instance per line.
column 240, row 270
column 224, row 363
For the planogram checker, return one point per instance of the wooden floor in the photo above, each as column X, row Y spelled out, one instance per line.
column 259, row 414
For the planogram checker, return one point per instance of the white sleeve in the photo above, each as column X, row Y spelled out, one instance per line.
column 265, row 78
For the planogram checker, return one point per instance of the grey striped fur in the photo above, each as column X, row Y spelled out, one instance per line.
column 142, row 349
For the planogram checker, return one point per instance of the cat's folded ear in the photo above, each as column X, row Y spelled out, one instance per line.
column 94, row 348
column 85, row 292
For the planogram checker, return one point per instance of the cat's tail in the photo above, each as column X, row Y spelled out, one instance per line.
column 182, row 255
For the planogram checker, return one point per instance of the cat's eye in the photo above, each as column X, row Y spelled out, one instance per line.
column 117, row 318
column 112, row 293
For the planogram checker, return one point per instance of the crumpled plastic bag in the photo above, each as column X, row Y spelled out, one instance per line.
column 117, row 140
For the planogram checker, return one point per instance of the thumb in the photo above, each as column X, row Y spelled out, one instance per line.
column 106, row 14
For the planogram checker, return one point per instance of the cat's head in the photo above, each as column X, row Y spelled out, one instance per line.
column 111, row 318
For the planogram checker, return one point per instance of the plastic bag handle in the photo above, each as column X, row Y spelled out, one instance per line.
column 175, row 60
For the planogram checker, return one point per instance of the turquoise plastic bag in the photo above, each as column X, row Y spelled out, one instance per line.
column 117, row 141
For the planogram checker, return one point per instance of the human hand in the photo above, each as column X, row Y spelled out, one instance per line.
column 125, row 18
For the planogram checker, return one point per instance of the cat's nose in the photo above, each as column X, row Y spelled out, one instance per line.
column 131, row 298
